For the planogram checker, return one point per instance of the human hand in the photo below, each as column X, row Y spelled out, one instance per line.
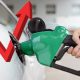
column 75, row 51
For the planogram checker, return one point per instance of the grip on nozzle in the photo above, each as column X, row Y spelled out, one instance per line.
column 68, row 41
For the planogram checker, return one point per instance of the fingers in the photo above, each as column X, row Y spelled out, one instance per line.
column 70, row 50
column 78, row 54
column 74, row 51
column 76, row 36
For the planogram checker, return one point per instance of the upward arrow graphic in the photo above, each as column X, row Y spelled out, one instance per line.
column 23, row 14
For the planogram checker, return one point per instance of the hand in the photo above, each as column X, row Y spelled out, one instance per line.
column 75, row 51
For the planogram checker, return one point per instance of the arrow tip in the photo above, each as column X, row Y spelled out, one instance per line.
column 26, row 10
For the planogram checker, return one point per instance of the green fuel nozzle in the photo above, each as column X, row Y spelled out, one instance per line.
column 49, row 47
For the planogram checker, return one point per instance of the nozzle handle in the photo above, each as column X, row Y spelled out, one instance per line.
column 68, row 41
column 61, row 53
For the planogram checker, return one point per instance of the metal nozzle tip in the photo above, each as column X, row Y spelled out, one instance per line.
column 13, row 39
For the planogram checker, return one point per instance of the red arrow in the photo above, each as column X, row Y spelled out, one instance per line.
column 23, row 15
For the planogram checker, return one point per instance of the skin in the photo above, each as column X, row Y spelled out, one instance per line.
column 75, row 51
